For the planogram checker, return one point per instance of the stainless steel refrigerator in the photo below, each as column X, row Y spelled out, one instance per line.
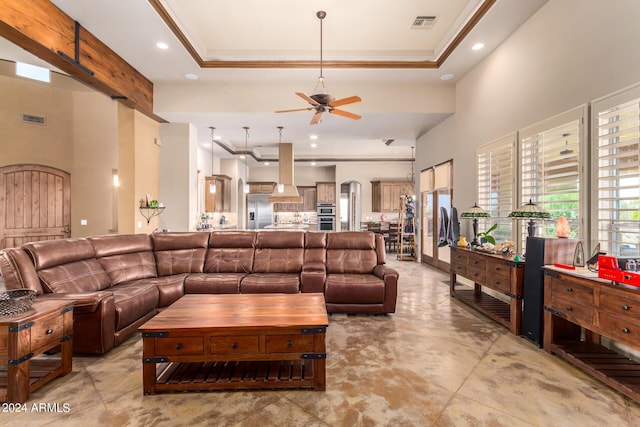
column 259, row 211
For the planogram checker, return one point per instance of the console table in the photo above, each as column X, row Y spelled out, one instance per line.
column 576, row 299
column 25, row 336
column 495, row 272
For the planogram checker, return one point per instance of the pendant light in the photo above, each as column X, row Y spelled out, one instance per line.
column 245, row 187
column 212, row 185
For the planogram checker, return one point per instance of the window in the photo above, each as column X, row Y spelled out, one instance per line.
column 616, row 174
column 551, row 171
column 496, row 184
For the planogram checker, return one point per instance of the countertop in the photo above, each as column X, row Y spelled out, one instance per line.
column 287, row 227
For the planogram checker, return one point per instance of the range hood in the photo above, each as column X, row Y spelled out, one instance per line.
column 290, row 193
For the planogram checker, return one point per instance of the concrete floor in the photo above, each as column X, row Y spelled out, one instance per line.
column 435, row 362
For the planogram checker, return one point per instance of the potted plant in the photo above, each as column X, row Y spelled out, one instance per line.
column 486, row 235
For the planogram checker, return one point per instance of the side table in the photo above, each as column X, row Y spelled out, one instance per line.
column 24, row 337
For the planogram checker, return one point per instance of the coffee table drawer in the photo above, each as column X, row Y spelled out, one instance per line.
column 179, row 346
column 46, row 331
column 235, row 345
column 289, row 343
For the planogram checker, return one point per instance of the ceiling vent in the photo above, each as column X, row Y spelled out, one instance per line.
column 36, row 120
column 388, row 141
column 424, row 22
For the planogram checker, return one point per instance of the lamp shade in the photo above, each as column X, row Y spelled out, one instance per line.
column 475, row 211
column 530, row 210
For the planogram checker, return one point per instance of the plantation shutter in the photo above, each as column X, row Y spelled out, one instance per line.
column 551, row 170
column 616, row 173
column 495, row 166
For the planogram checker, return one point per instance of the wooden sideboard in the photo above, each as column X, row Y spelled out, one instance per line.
column 495, row 272
column 576, row 299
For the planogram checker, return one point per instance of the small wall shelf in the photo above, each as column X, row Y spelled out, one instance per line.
column 149, row 212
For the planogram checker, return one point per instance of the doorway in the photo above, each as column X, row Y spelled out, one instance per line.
column 35, row 204
column 436, row 186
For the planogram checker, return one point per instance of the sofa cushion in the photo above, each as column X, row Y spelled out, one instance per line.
column 270, row 283
column 80, row 276
column 351, row 252
column 354, row 288
column 213, row 283
column 178, row 253
column 315, row 247
column 133, row 302
column 129, row 267
column 230, row 252
column 279, row 252
column 170, row 288
column 49, row 253
column 120, row 244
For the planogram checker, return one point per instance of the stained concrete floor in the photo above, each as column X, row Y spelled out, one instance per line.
column 435, row 362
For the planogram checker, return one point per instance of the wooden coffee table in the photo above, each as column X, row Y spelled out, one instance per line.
column 236, row 341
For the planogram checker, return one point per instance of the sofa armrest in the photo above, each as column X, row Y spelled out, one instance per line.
column 382, row 271
column 390, row 278
column 84, row 302
column 313, row 277
column 94, row 320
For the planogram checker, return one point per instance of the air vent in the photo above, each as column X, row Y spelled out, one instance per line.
column 34, row 119
column 388, row 141
column 424, row 22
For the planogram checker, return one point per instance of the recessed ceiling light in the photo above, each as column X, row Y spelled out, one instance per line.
column 217, row 137
column 242, row 156
column 313, row 163
column 190, row 76
column 477, row 46
column 313, row 145
column 448, row 76
column 313, row 136
column 162, row 45
column 266, row 163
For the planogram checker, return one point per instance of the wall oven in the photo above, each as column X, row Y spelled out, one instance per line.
column 326, row 209
column 326, row 223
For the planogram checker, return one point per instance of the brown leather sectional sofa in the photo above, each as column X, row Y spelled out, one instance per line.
column 118, row 282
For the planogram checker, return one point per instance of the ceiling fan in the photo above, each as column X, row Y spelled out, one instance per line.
column 321, row 101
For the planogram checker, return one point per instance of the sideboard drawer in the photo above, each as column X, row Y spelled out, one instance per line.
column 289, row 343
column 620, row 306
column 498, row 269
column 186, row 346
column 476, row 262
column 235, row 344
column 572, row 311
column 459, row 258
column 498, row 283
column 478, row 275
column 577, row 294
column 619, row 328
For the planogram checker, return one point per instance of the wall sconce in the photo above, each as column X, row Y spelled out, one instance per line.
column 116, row 180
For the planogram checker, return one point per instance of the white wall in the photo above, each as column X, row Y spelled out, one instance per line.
column 568, row 53
column 179, row 176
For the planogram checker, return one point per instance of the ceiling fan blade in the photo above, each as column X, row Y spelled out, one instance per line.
column 345, row 101
column 345, row 114
column 296, row 109
column 316, row 118
column 307, row 98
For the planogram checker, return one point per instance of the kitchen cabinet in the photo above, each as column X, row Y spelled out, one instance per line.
column 261, row 187
column 326, row 192
column 385, row 195
column 220, row 201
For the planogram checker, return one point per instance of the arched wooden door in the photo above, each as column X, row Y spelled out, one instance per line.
column 35, row 204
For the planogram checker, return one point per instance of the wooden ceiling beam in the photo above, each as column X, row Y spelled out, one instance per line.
column 41, row 28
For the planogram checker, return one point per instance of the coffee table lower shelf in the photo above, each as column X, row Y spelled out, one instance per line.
column 234, row 375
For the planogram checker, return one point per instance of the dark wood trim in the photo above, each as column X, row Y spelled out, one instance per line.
column 41, row 28
column 477, row 16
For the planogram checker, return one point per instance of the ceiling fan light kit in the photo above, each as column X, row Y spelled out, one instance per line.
column 320, row 100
